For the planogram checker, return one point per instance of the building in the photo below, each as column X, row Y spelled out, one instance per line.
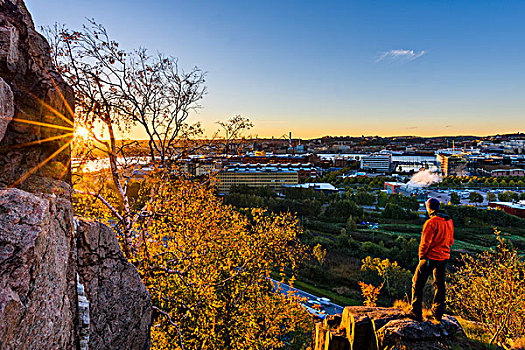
column 205, row 169
column 507, row 172
column 266, row 157
column 326, row 188
column 517, row 209
column 340, row 162
column 200, row 167
column 256, row 175
column 393, row 187
column 452, row 165
column 377, row 162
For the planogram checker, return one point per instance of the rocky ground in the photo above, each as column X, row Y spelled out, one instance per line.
column 372, row 328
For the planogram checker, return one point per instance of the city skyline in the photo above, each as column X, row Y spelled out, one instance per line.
column 337, row 68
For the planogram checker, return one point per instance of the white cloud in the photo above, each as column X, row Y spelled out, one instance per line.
column 400, row 55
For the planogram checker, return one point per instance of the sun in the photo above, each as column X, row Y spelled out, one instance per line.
column 81, row 132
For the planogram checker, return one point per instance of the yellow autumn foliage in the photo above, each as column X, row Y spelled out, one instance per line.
column 207, row 267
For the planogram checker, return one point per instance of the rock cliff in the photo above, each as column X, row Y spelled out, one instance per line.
column 118, row 301
column 37, row 288
column 62, row 285
column 36, row 113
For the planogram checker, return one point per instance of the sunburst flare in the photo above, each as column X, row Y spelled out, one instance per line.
column 40, row 165
column 47, row 125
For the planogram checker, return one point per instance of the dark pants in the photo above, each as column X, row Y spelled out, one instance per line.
column 423, row 271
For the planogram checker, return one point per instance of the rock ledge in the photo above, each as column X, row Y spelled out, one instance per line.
column 363, row 328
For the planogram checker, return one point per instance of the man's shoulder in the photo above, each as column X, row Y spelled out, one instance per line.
column 442, row 219
column 433, row 218
column 437, row 219
column 430, row 222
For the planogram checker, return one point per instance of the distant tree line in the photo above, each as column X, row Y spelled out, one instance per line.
column 336, row 179
column 335, row 207
column 377, row 182
column 464, row 215
column 482, row 181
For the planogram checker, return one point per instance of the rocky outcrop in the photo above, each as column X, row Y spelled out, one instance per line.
column 60, row 288
column 372, row 328
column 38, row 299
column 37, row 289
column 409, row 334
column 36, row 111
column 119, row 304
column 42, row 305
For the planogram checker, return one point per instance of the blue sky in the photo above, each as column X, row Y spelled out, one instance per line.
column 334, row 67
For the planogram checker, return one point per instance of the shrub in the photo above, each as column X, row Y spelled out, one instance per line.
column 461, row 214
column 351, row 226
column 370, row 293
column 394, row 211
column 319, row 253
column 454, row 198
column 207, row 268
column 323, row 241
column 371, row 248
column 322, row 226
column 396, row 279
column 340, row 210
column 490, row 288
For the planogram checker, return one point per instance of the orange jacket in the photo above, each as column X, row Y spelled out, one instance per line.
column 437, row 237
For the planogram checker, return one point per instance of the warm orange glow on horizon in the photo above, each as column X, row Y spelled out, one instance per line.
column 266, row 130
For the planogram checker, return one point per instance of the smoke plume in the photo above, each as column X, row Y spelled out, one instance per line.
column 424, row 178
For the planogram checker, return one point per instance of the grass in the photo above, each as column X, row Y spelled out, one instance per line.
column 477, row 333
column 459, row 244
column 404, row 228
column 405, row 306
column 467, row 239
column 465, row 246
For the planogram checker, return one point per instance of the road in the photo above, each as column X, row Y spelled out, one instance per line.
column 330, row 308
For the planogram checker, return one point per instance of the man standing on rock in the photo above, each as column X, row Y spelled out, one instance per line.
column 434, row 252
